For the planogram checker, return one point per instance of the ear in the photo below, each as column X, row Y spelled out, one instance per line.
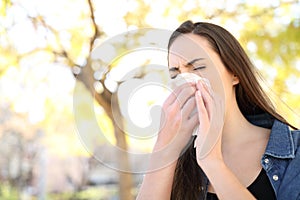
column 235, row 79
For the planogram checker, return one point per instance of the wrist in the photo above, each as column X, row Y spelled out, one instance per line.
column 212, row 165
column 162, row 160
column 167, row 149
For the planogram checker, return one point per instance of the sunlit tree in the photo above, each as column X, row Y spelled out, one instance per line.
column 65, row 33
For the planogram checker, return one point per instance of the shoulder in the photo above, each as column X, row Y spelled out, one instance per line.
column 290, row 184
column 281, row 159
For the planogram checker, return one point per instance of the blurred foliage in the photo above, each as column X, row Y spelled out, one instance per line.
column 272, row 28
column 43, row 42
column 8, row 192
column 92, row 193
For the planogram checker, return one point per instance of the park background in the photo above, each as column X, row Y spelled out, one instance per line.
column 45, row 54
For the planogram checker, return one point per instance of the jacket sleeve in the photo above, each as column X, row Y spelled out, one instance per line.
column 290, row 185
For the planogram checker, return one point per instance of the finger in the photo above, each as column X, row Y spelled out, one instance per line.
column 202, row 112
column 185, row 94
column 189, row 107
column 193, row 121
column 206, row 97
column 173, row 109
column 206, row 85
column 174, row 94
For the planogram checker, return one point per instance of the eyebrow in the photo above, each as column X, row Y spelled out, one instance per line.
column 194, row 60
column 172, row 69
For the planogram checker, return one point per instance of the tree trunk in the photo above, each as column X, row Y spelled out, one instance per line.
column 125, row 178
column 106, row 100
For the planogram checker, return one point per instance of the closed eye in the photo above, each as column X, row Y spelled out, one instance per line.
column 174, row 71
column 199, row 67
column 174, row 76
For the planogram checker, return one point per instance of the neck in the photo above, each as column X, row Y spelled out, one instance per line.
column 236, row 127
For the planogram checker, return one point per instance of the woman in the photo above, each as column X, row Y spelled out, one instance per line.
column 256, row 155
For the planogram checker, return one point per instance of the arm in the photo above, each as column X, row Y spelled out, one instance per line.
column 176, row 129
column 225, row 183
column 210, row 158
column 157, row 184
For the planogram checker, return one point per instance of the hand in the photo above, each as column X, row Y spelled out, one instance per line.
column 211, row 121
column 177, row 120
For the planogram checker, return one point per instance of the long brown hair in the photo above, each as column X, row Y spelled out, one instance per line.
column 189, row 180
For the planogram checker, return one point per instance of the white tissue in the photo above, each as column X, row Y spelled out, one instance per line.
column 184, row 78
column 187, row 77
column 190, row 78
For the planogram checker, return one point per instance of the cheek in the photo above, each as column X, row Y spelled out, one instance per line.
column 220, row 80
column 226, row 80
column 216, row 79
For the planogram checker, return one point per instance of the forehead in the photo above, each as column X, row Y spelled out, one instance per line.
column 187, row 47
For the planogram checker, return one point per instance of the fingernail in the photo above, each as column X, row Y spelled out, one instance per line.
column 206, row 82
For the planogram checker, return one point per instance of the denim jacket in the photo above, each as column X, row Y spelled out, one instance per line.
column 281, row 159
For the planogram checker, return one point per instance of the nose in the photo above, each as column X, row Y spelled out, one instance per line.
column 184, row 70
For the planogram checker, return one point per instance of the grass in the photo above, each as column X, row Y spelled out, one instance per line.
column 105, row 192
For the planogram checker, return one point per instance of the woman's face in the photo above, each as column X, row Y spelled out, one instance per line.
column 192, row 53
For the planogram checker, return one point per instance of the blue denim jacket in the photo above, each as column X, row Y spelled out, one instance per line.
column 281, row 159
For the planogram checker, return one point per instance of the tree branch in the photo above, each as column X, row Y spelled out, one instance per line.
column 96, row 30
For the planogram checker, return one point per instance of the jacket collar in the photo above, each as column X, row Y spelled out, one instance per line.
column 281, row 144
